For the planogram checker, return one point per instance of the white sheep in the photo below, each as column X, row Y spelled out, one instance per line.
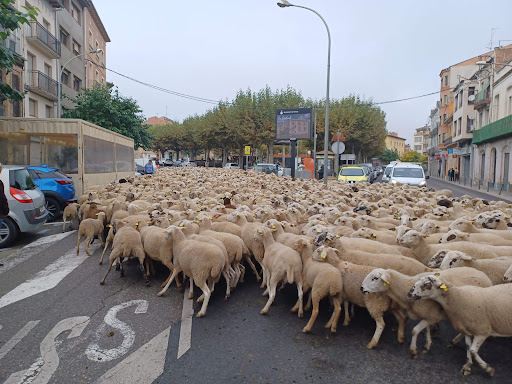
column 477, row 312
column 90, row 228
column 71, row 212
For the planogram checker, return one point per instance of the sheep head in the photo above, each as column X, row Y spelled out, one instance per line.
column 376, row 281
column 428, row 287
column 454, row 259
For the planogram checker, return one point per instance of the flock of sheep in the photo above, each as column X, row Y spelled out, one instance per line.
column 413, row 252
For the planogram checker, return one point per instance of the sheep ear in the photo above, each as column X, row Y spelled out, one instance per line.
column 425, row 236
column 464, row 256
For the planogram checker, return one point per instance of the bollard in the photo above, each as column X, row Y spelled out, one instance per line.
column 501, row 189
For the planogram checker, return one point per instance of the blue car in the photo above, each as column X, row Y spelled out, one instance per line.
column 58, row 189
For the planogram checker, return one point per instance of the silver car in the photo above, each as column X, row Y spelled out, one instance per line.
column 26, row 204
column 410, row 174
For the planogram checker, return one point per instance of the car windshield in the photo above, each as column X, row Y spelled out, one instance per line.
column 21, row 179
column 416, row 173
column 388, row 171
column 352, row 172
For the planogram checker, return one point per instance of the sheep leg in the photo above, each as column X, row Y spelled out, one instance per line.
column 400, row 318
column 475, row 346
column 466, row 368
column 169, row 281
column 308, row 304
column 191, row 290
column 300, row 294
column 211, row 286
column 139, row 253
column 333, row 321
column 305, row 289
column 206, row 294
column 64, row 224
column 104, row 251
column 415, row 332
column 263, row 280
column 253, row 267
column 87, row 242
column 314, row 314
column 271, row 294
column 121, row 269
column 170, row 265
column 379, row 327
column 78, row 243
column 242, row 273
column 428, row 340
column 347, row 313
column 228, row 288
column 113, row 257
column 456, row 340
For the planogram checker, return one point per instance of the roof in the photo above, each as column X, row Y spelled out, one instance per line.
column 468, row 61
column 395, row 137
column 97, row 20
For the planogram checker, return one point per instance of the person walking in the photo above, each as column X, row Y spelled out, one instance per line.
column 321, row 172
column 148, row 168
column 439, row 172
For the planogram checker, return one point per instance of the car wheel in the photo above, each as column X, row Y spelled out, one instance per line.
column 53, row 208
column 8, row 232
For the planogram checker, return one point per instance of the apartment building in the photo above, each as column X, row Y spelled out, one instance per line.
column 434, row 162
column 96, row 37
column 421, row 139
column 393, row 142
column 54, row 42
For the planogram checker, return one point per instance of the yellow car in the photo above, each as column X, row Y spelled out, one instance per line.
column 352, row 174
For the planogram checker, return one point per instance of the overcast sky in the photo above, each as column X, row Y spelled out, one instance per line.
column 381, row 49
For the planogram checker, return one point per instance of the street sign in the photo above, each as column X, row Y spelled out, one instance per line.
column 294, row 124
column 338, row 147
column 247, row 150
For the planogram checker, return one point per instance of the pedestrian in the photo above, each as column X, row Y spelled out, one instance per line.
column 148, row 168
column 452, row 173
column 457, row 175
column 4, row 204
column 439, row 172
column 321, row 172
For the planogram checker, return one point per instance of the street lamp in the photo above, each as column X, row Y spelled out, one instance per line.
column 284, row 4
column 59, row 80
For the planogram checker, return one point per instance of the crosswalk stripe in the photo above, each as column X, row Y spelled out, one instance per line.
column 48, row 278
column 6, row 348
column 30, row 250
column 186, row 324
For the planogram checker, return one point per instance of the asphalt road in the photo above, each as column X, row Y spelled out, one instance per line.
column 58, row 325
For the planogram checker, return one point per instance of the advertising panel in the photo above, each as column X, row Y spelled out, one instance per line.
column 294, row 123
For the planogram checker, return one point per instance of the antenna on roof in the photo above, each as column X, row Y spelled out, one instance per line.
column 491, row 46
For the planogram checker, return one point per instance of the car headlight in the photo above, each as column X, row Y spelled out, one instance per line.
column 393, row 181
column 423, row 183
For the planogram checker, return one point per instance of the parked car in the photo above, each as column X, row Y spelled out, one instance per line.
column 352, row 174
column 231, row 166
column 26, row 204
column 269, row 168
column 369, row 173
column 189, row 164
column 408, row 173
column 168, row 162
column 58, row 189
column 387, row 174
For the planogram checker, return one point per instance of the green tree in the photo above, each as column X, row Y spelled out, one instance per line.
column 10, row 20
column 414, row 157
column 106, row 107
column 389, row 155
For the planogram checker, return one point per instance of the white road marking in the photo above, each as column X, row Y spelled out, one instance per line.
column 95, row 353
column 143, row 366
column 54, row 224
column 7, row 347
column 42, row 231
column 30, row 250
column 48, row 278
column 44, row 367
column 186, row 324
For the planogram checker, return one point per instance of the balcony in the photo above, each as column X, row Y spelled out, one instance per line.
column 42, row 85
column 40, row 36
column 448, row 141
column 494, row 131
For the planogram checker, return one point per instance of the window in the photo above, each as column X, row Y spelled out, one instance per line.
column 65, row 77
column 446, row 81
column 75, row 13
column 461, row 97
column 103, row 80
column 469, row 125
column 455, row 127
column 64, row 37
column 66, row 4
column 46, row 25
column 456, row 103
column 76, row 48
column 460, row 125
column 16, row 105
column 31, row 62
column 47, row 70
column 77, row 84
column 496, row 112
column 49, row 111
column 90, row 39
column 444, row 117
column 471, row 92
column 417, row 139
column 32, row 107
column 445, row 100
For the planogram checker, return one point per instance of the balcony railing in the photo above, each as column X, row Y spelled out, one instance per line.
column 498, row 129
column 43, row 85
column 448, row 141
column 40, row 35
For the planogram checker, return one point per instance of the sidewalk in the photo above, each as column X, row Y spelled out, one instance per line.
column 505, row 195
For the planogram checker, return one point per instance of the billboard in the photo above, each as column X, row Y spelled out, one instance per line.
column 294, row 123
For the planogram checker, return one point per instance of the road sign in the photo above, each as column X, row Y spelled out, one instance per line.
column 338, row 147
column 247, row 150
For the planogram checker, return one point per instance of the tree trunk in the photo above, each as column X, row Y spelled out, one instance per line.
column 224, row 156
column 270, row 156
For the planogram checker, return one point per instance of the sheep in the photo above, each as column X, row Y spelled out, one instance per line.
column 494, row 268
column 71, row 212
column 467, row 226
column 484, row 238
column 324, row 280
column 90, row 228
column 202, row 263
column 280, row 263
column 400, row 263
column 424, row 251
column 127, row 242
column 376, row 303
column 477, row 312
column 397, row 285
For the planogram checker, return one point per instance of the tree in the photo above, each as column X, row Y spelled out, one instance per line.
column 108, row 109
column 389, row 155
column 414, row 157
column 10, row 20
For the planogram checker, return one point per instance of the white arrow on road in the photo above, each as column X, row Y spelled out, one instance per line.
column 95, row 353
column 44, row 367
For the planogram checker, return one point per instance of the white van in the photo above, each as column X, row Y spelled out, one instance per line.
column 408, row 173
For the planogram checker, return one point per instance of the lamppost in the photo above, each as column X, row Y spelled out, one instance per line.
column 59, row 80
column 284, row 4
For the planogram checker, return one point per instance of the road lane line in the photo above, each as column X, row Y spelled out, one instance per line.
column 30, row 250
column 143, row 366
column 186, row 324
column 48, row 278
column 97, row 354
column 7, row 347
